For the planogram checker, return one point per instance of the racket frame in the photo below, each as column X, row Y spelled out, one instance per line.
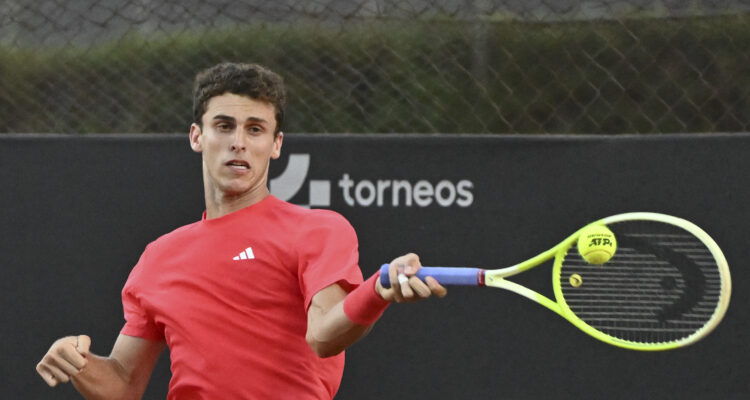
column 496, row 278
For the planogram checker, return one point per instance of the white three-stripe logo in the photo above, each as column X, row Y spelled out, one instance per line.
column 247, row 254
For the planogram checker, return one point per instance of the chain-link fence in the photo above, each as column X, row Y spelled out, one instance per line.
column 428, row 66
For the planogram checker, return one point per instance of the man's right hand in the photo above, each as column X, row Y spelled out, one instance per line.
column 65, row 359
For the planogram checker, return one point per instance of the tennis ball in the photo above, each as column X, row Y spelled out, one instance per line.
column 575, row 280
column 597, row 244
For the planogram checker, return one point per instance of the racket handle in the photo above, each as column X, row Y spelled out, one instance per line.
column 452, row 276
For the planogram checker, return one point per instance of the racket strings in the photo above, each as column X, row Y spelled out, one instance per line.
column 662, row 285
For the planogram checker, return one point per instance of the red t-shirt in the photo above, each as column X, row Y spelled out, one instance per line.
column 230, row 296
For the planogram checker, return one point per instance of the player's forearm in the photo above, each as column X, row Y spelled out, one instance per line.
column 333, row 332
column 337, row 319
column 104, row 378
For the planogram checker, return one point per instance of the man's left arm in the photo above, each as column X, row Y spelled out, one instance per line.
column 337, row 319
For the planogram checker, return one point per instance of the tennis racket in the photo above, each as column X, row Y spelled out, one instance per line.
column 667, row 286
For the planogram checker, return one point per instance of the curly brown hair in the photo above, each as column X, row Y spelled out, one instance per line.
column 251, row 80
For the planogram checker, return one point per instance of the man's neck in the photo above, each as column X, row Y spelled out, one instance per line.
column 221, row 204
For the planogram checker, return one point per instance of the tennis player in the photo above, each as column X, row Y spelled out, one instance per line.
column 257, row 300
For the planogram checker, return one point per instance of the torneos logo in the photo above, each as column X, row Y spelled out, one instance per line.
column 286, row 185
column 366, row 193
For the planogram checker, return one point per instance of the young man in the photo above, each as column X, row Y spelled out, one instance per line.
column 259, row 299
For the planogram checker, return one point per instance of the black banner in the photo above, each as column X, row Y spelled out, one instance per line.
column 78, row 210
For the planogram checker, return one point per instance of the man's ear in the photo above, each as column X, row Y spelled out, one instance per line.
column 195, row 138
column 277, row 141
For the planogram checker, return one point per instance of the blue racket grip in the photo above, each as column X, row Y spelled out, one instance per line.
column 444, row 275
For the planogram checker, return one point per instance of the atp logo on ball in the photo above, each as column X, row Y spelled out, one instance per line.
column 600, row 241
column 367, row 192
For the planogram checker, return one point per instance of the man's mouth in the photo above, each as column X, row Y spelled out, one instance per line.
column 238, row 164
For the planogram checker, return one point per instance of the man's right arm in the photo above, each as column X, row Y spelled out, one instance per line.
column 122, row 375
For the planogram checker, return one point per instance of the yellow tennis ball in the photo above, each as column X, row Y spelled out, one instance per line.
column 597, row 244
column 575, row 280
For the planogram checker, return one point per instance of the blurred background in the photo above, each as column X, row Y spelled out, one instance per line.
column 384, row 66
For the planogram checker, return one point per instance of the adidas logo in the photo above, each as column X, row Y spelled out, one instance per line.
column 246, row 254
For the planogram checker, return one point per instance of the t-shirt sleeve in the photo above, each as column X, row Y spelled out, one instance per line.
column 138, row 322
column 328, row 254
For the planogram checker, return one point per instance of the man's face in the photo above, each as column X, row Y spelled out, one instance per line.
column 237, row 141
